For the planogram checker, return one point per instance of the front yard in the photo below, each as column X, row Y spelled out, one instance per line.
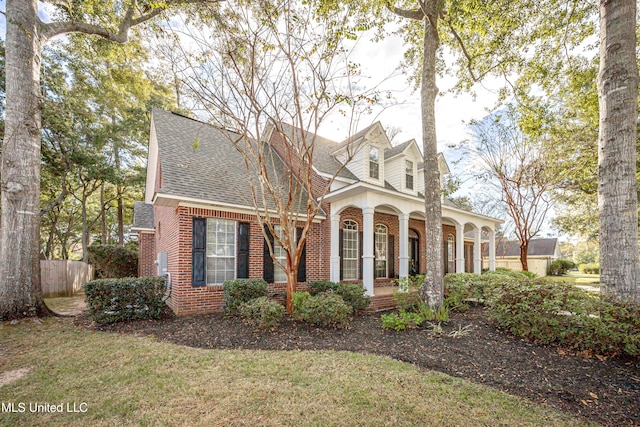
column 127, row 379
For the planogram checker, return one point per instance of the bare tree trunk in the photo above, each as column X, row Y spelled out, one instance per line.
column 116, row 155
column 432, row 289
column 617, row 186
column 103, row 217
column 20, row 292
column 85, row 231
column 524, row 249
column 292, row 285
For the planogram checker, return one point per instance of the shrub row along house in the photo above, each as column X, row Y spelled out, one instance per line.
column 198, row 210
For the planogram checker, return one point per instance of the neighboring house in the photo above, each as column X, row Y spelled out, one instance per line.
column 198, row 211
column 540, row 254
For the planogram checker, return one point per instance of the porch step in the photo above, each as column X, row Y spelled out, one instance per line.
column 381, row 302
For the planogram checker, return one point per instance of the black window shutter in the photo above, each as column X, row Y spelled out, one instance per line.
column 392, row 257
column 242, row 262
column 199, row 252
column 267, row 261
column 340, row 249
column 360, row 260
column 302, row 264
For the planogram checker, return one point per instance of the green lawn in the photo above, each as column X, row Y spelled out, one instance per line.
column 577, row 278
column 128, row 380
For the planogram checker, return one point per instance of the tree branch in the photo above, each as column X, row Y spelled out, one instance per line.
column 56, row 202
column 417, row 15
column 122, row 36
column 464, row 50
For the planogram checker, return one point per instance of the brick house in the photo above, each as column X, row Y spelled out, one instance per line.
column 198, row 211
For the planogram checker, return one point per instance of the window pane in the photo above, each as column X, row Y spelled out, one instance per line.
column 381, row 251
column 221, row 250
column 350, row 250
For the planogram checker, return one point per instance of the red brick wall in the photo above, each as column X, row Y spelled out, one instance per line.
column 174, row 234
column 146, row 254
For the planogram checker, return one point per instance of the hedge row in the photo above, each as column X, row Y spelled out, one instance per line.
column 327, row 304
column 115, row 300
column 113, row 261
column 551, row 312
column 589, row 268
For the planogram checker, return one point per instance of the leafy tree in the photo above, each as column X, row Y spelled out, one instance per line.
column 586, row 252
column 497, row 38
column 26, row 34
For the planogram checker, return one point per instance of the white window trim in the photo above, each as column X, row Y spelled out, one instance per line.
column 357, row 249
column 210, row 255
column 413, row 175
column 277, row 228
column 386, row 251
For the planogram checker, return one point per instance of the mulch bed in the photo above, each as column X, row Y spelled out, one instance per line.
column 605, row 390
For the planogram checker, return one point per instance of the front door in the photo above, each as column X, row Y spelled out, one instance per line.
column 414, row 253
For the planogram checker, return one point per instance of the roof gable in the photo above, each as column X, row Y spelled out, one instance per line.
column 199, row 161
column 408, row 147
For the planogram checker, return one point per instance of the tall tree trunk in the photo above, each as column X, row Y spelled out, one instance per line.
column 432, row 289
column 116, row 157
column 85, row 231
column 617, row 186
column 103, row 217
column 20, row 292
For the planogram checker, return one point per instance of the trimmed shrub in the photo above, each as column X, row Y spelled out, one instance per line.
column 513, row 273
column 117, row 300
column 321, row 286
column 589, row 268
column 353, row 294
column 401, row 320
column 560, row 267
column 113, row 261
column 326, row 309
column 238, row 291
column 562, row 314
column 297, row 299
column 262, row 312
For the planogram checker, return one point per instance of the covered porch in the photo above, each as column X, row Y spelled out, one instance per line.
column 378, row 236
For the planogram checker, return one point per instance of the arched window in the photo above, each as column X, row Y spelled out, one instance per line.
column 350, row 250
column 381, row 251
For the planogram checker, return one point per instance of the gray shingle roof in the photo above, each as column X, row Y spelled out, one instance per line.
column 356, row 137
column 322, row 158
column 143, row 215
column 390, row 152
column 544, row 247
column 199, row 160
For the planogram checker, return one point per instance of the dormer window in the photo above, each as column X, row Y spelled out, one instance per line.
column 374, row 162
column 408, row 175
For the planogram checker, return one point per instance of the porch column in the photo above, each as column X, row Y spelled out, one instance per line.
column 492, row 250
column 335, row 248
column 367, row 250
column 404, row 245
column 459, row 248
column 477, row 251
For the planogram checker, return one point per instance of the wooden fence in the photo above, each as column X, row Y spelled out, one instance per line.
column 60, row 278
column 538, row 266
